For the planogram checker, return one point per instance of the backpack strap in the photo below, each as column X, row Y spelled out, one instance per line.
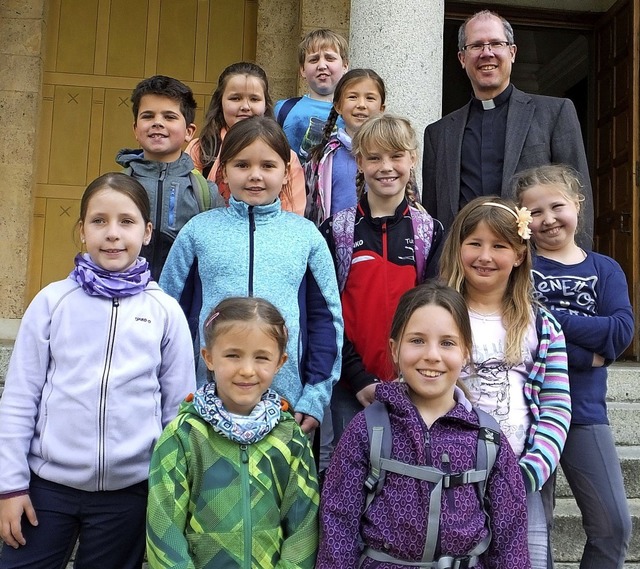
column 200, row 190
column 486, row 455
column 342, row 229
column 422, row 224
column 488, row 445
column 285, row 109
column 379, row 430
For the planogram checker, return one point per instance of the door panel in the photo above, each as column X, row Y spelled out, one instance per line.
column 97, row 51
column 69, row 143
column 125, row 50
column 177, row 38
column 617, row 141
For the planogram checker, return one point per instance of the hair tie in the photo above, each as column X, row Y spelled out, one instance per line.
column 211, row 319
column 522, row 215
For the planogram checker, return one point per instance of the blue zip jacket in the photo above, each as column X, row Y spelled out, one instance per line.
column 265, row 252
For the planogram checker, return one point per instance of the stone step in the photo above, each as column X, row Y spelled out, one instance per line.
column 625, row 421
column 569, row 538
column 623, row 381
column 630, row 463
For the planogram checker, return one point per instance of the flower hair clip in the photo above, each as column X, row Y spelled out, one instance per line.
column 523, row 218
column 522, row 215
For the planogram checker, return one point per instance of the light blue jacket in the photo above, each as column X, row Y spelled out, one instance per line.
column 265, row 252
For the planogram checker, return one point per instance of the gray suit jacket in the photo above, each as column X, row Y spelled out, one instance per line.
column 540, row 130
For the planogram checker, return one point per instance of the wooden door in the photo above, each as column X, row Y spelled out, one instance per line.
column 96, row 52
column 617, row 175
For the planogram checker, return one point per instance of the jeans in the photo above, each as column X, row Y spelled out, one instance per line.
column 344, row 406
column 326, row 440
column 592, row 468
column 110, row 526
column 538, row 535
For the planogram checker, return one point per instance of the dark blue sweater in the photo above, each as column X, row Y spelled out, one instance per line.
column 590, row 300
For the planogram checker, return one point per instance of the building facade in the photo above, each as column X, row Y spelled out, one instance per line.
column 68, row 67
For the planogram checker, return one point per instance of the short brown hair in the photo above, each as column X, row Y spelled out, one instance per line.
column 169, row 87
column 118, row 182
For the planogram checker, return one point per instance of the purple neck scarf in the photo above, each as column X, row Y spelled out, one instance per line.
column 97, row 281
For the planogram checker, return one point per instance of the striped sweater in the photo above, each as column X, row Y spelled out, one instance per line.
column 547, row 393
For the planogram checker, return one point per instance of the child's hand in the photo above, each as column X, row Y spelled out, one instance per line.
column 366, row 396
column 598, row 360
column 307, row 423
column 11, row 510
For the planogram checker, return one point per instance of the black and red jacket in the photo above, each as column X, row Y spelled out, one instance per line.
column 383, row 268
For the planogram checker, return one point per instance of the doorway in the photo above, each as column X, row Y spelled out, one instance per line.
column 594, row 60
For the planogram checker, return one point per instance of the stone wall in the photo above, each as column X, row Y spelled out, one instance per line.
column 22, row 26
column 281, row 26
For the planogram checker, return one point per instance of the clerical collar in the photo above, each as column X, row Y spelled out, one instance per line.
column 489, row 104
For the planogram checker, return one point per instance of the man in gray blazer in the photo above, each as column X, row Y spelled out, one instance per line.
column 475, row 150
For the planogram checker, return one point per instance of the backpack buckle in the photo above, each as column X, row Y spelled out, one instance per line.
column 451, row 480
column 462, row 562
column 371, row 483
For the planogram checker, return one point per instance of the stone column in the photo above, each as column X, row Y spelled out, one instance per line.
column 22, row 25
column 402, row 42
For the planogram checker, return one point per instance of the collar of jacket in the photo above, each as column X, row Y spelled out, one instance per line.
column 395, row 395
column 262, row 213
column 134, row 158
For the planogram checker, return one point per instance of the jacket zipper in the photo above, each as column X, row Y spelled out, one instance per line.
column 246, row 504
column 252, row 230
column 157, row 226
column 104, row 389
column 427, row 446
column 385, row 254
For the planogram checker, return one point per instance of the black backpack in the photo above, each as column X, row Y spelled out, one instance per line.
column 379, row 430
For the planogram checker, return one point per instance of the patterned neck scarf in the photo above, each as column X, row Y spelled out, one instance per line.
column 97, row 281
column 242, row 429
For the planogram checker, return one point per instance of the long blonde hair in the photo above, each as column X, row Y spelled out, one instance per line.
column 517, row 302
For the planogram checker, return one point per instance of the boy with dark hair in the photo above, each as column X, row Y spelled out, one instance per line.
column 163, row 114
column 323, row 58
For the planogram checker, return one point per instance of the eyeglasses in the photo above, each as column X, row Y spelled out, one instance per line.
column 493, row 46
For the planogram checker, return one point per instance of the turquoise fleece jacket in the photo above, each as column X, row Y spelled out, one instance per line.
column 265, row 252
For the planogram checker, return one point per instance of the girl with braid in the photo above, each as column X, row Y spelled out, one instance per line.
column 382, row 247
column 330, row 172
